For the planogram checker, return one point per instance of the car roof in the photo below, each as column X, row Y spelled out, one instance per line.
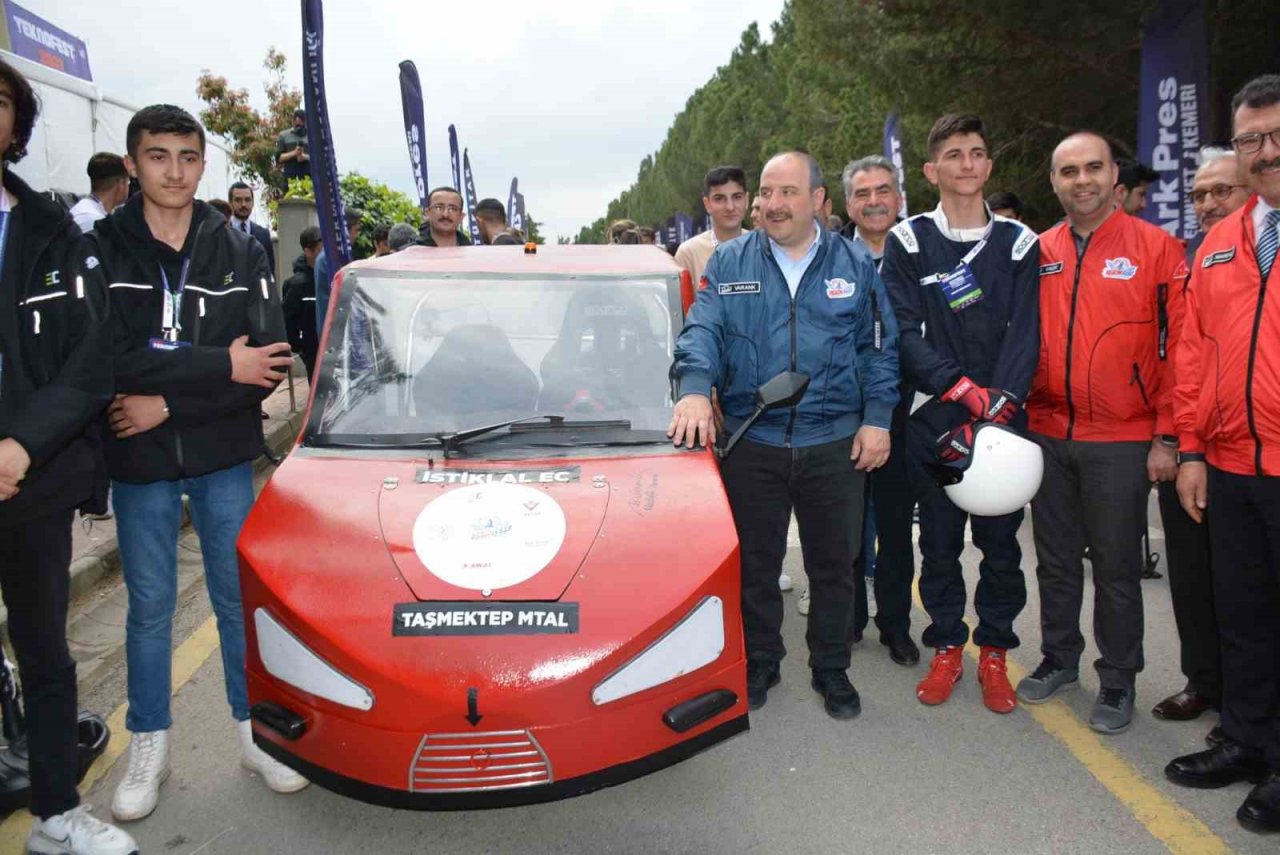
column 548, row 260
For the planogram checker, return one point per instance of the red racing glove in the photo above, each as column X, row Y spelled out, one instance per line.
column 985, row 405
column 956, row 444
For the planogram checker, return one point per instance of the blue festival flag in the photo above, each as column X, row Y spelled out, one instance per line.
column 324, row 166
column 684, row 227
column 893, row 152
column 454, row 160
column 415, row 127
column 515, row 218
column 1172, row 110
column 469, row 194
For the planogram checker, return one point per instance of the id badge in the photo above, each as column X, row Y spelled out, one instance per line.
column 960, row 288
column 166, row 344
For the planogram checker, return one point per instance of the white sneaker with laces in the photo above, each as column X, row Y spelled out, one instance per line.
column 802, row 605
column 148, row 768
column 78, row 832
column 784, row 582
column 278, row 776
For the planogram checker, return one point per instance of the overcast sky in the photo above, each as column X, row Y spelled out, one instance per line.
column 568, row 95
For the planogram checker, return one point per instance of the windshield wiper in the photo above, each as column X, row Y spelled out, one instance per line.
column 452, row 441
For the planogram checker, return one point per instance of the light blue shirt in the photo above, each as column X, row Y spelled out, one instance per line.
column 793, row 271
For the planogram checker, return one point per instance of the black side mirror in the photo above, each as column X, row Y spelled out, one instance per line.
column 782, row 390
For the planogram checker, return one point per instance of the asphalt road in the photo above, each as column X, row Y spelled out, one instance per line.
column 901, row 778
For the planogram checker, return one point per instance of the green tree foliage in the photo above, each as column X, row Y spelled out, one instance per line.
column 252, row 134
column 377, row 203
column 1034, row 71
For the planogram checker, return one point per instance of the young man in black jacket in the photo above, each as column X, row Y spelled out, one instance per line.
column 199, row 343
column 55, row 379
column 299, row 297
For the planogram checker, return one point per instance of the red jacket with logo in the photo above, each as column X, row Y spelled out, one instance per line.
column 1228, row 368
column 1108, row 322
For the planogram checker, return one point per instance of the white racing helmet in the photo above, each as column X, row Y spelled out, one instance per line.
column 1000, row 475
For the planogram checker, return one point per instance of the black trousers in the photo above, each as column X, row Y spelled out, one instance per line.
column 1191, row 586
column 1244, row 531
column 764, row 484
column 1001, row 593
column 1093, row 493
column 35, row 559
column 895, row 560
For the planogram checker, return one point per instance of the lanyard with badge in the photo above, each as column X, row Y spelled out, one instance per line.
column 171, row 317
column 960, row 287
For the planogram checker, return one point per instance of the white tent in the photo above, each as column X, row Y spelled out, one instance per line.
column 76, row 120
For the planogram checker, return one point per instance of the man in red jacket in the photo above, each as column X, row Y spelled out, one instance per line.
column 1101, row 408
column 1228, row 414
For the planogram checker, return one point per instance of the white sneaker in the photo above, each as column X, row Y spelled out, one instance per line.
column 802, row 605
column 784, row 582
column 148, row 768
column 78, row 832
column 871, row 596
column 278, row 776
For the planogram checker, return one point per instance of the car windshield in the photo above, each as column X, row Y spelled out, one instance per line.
column 413, row 355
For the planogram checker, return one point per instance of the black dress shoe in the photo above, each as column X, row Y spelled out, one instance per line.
column 761, row 677
column 1184, row 706
column 901, row 648
column 1215, row 737
column 1226, row 764
column 1261, row 811
column 838, row 694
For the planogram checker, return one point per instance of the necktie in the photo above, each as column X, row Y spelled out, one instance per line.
column 1267, row 242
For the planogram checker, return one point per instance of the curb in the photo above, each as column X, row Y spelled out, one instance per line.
column 104, row 560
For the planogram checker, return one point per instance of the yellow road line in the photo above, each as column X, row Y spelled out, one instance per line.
column 1177, row 828
column 187, row 659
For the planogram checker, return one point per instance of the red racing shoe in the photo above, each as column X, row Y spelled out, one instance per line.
column 993, row 676
column 944, row 672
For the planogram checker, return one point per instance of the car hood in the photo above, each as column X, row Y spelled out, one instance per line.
column 473, row 531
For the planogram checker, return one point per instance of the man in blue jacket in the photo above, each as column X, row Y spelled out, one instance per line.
column 794, row 297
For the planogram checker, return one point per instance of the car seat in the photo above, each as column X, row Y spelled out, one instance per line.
column 475, row 370
column 605, row 357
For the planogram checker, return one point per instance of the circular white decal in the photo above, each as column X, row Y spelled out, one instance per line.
column 489, row 535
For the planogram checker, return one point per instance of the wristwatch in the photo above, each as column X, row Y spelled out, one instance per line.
column 1190, row 457
column 1167, row 439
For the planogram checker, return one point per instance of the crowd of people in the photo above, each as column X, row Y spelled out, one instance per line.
column 1128, row 358
column 142, row 331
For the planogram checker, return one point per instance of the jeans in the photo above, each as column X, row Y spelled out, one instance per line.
column 148, row 519
column 34, row 562
column 764, row 483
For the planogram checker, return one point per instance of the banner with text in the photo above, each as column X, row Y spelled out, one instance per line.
column 32, row 37
column 893, row 153
column 1172, row 100
column 415, row 128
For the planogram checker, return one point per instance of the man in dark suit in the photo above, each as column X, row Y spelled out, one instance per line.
column 241, row 199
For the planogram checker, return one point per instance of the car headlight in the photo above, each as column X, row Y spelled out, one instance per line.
column 697, row 640
column 288, row 659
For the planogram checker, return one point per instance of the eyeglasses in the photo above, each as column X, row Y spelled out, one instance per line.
column 1217, row 191
column 1250, row 143
column 441, row 207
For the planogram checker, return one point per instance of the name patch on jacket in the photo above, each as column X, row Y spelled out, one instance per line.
column 727, row 288
column 840, row 289
column 1050, row 269
column 1024, row 243
column 1222, row 256
column 1119, row 268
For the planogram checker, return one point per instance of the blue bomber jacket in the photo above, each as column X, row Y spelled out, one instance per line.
column 745, row 327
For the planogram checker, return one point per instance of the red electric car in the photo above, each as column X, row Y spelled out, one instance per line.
column 484, row 576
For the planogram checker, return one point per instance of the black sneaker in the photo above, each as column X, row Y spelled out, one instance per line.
column 761, row 677
column 838, row 694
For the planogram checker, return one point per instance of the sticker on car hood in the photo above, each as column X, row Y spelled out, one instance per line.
column 489, row 536
column 465, row 618
column 562, row 475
